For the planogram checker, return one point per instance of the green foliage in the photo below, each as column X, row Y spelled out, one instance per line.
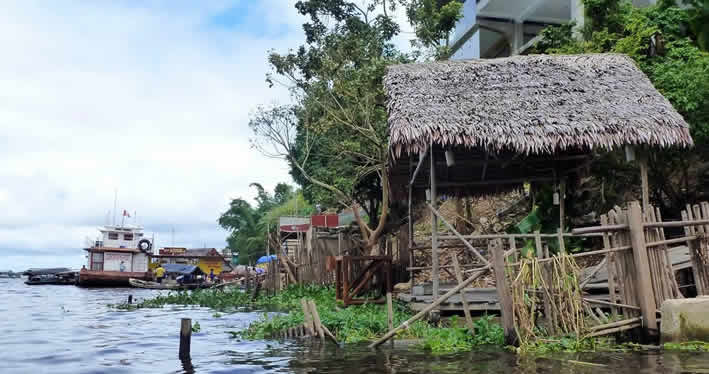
column 699, row 21
column 570, row 344
column 196, row 327
column 248, row 225
column 693, row 346
column 679, row 70
column 433, row 22
column 336, row 137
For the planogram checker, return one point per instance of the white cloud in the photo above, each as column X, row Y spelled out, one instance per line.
column 151, row 99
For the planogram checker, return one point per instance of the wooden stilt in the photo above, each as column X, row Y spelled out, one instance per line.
column 642, row 268
column 434, row 227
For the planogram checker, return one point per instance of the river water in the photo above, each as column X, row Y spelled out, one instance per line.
column 66, row 329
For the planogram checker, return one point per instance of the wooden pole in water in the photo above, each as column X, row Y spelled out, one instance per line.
column 185, row 338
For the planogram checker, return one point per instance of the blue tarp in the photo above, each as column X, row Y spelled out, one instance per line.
column 181, row 269
column 264, row 259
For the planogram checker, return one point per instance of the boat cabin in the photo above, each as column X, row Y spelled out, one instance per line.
column 120, row 253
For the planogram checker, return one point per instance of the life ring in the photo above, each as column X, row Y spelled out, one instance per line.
column 145, row 245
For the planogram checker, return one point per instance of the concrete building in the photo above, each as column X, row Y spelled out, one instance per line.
column 501, row 28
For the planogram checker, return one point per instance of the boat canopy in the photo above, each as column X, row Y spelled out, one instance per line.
column 181, row 269
column 45, row 271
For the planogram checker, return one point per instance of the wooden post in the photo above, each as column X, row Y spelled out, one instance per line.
column 434, row 227
column 390, row 311
column 562, row 245
column 503, row 291
column 610, row 266
column 185, row 338
column 645, row 293
column 643, row 181
column 562, row 204
column 308, row 318
column 459, row 278
column 316, row 319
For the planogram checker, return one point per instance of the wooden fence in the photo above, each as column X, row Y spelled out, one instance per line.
column 635, row 250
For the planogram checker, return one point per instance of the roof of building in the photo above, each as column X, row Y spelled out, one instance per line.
column 539, row 104
column 110, row 249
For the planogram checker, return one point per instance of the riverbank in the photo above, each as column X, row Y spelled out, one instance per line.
column 364, row 323
column 354, row 324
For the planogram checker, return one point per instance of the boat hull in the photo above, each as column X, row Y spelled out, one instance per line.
column 108, row 278
column 138, row 283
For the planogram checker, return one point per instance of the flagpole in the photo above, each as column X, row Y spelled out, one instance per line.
column 115, row 205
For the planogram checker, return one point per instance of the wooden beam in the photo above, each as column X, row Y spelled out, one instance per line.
column 644, row 183
column 601, row 229
column 646, row 294
column 466, row 309
column 434, row 225
column 601, row 302
column 503, row 292
column 562, row 204
column 422, row 158
column 458, row 235
column 430, row 307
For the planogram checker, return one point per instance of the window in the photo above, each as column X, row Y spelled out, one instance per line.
column 112, row 236
column 140, row 234
column 127, row 236
column 97, row 261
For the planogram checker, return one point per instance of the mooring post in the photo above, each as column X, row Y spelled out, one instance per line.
column 646, row 296
column 503, row 291
column 185, row 338
column 130, row 299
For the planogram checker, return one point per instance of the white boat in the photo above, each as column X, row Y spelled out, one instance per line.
column 122, row 253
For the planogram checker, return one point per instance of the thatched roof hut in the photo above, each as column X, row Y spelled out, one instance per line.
column 514, row 119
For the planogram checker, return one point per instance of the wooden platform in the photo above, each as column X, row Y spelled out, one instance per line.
column 485, row 299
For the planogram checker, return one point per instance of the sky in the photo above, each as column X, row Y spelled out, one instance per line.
column 147, row 98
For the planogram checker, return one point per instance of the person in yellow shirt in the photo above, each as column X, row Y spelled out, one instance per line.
column 159, row 273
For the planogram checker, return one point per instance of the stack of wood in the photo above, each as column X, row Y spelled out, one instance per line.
column 312, row 326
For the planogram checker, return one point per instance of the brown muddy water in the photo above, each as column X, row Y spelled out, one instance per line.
column 66, row 329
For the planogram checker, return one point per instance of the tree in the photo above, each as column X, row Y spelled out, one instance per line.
column 335, row 136
column 248, row 225
column 699, row 21
column 433, row 22
column 245, row 237
column 677, row 67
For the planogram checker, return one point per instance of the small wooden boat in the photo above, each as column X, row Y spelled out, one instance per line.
column 139, row 283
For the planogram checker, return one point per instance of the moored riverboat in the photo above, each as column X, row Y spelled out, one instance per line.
column 122, row 253
column 64, row 278
column 9, row 274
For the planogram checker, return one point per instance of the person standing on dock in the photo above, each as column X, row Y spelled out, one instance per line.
column 211, row 275
column 160, row 273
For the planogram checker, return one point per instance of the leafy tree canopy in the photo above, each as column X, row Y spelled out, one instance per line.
column 668, row 43
column 248, row 225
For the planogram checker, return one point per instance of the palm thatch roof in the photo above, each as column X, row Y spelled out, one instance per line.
column 537, row 104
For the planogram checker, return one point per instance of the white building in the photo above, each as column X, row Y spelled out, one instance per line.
column 501, row 28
